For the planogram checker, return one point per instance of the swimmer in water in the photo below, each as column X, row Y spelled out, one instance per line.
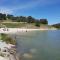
column 26, row 30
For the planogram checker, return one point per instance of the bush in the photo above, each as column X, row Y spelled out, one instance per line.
column 8, row 39
column 43, row 21
column 37, row 23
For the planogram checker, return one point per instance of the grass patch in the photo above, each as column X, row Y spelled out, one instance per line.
column 7, row 39
column 14, row 25
column 17, row 25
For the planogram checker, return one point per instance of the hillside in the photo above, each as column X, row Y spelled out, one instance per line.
column 56, row 25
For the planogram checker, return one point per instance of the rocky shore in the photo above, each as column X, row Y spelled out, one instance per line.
column 8, row 50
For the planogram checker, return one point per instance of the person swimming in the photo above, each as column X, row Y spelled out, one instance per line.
column 26, row 30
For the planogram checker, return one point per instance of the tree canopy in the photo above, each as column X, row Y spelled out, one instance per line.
column 43, row 21
column 2, row 16
column 28, row 19
column 56, row 25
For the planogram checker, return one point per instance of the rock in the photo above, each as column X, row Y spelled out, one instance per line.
column 27, row 55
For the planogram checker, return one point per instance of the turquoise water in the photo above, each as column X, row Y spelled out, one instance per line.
column 39, row 45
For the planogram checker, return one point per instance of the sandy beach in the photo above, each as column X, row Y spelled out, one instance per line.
column 16, row 30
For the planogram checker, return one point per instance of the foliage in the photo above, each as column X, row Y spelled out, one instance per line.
column 56, row 25
column 43, row 21
column 37, row 23
column 7, row 39
column 10, row 16
column 28, row 19
column 14, row 25
column 2, row 16
column 21, row 19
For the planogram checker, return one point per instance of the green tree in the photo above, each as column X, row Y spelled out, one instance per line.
column 43, row 21
column 56, row 25
column 37, row 23
column 21, row 19
column 15, row 19
column 30, row 19
column 2, row 16
column 10, row 16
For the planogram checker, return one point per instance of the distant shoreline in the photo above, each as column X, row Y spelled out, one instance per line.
column 16, row 30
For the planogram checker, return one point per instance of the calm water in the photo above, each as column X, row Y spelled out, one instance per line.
column 39, row 45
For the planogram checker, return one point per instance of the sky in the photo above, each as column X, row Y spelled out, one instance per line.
column 47, row 9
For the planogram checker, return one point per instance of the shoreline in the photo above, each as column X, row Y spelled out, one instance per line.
column 14, row 56
column 16, row 30
column 8, row 50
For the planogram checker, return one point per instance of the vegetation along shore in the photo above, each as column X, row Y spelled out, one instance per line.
column 28, row 22
column 7, row 48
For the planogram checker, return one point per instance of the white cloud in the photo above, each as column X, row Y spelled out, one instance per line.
column 9, row 10
column 18, row 7
column 5, row 11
